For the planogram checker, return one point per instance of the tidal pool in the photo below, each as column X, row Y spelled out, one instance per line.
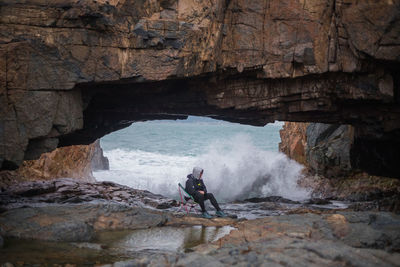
column 166, row 238
column 110, row 246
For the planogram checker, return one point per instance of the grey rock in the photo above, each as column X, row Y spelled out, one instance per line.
column 328, row 149
column 271, row 199
column 99, row 161
column 37, row 147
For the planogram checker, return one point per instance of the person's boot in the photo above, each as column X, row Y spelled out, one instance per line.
column 220, row 213
column 206, row 215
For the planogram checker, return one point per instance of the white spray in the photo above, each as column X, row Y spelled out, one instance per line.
column 233, row 169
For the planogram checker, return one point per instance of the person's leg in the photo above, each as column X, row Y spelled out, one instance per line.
column 199, row 198
column 212, row 200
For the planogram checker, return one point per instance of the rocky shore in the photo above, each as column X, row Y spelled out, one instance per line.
column 74, row 214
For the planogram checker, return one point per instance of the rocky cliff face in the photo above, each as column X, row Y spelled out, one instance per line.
column 323, row 148
column 72, row 162
column 326, row 152
column 72, row 71
column 294, row 141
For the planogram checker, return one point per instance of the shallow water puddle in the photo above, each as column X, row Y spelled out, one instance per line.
column 110, row 246
column 166, row 238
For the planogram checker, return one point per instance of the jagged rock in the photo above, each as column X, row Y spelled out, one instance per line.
column 294, row 141
column 73, row 71
column 77, row 191
column 99, row 161
column 328, row 149
column 323, row 148
column 167, row 205
column 72, row 162
column 381, row 193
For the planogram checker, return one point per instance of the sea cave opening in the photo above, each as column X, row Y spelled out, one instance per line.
column 240, row 161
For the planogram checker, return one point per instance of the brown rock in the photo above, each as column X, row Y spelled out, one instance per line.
column 71, row 162
column 110, row 63
column 294, row 141
column 325, row 150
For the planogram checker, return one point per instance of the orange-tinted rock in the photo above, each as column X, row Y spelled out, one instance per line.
column 326, row 152
column 323, row 148
column 294, row 141
column 65, row 162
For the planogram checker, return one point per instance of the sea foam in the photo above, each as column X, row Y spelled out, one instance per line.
column 233, row 169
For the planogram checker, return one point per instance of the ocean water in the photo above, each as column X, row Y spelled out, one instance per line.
column 239, row 161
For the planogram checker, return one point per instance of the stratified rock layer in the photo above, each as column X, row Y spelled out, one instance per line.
column 72, row 71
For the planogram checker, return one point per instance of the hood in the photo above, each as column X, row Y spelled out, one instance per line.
column 196, row 172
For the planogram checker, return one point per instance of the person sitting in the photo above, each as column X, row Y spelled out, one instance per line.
column 196, row 187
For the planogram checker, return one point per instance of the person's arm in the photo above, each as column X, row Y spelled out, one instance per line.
column 204, row 186
column 190, row 187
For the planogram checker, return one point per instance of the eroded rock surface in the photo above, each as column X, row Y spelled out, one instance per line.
column 60, row 191
column 76, row 162
column 345, row 238
column 73, row 71
column 324, row 148
column 70, row 210
column 326, row 152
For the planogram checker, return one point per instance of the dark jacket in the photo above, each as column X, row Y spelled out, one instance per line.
column 193, row 185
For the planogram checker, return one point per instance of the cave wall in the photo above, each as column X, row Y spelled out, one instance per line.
column 72, row 71
column 325, row 149
column 337, row 151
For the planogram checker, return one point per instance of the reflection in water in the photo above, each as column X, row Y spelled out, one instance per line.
column 110, row 246
column 170, row 238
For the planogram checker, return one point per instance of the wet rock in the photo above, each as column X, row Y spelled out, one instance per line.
column 75, row 223
column 167, row 205
column 74, row 191
column 318, row 201
column 52, row 225
column 391, row 204
column 271, row 199
column 359, row 239
column 346, row 227
column 89, row 245
column 358, row 187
